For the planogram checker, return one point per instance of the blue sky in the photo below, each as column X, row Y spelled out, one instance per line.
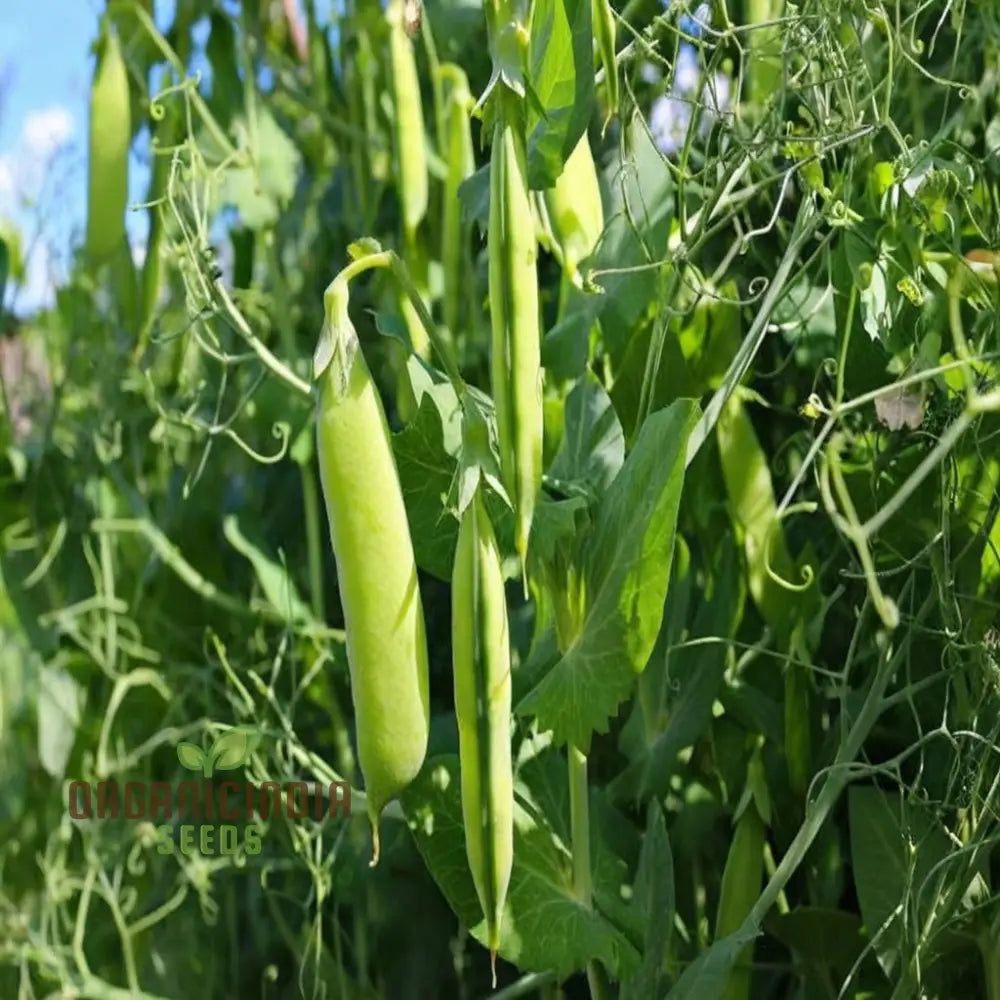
column 45, row 70
column 46, row 65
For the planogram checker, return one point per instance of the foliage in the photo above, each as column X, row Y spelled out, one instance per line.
column 764, row 571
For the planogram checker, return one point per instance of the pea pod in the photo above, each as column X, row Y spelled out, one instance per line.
column 411, row 151
column 513, row 294
column 109, row 140
column 376, row 569
column 604, row 30
column 769, row 564
column 481, row 660
column 741, row 881
column 574, row 209
column 461, row 163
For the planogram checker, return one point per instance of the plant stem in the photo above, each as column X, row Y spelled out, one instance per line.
column 837, row 780
column 990, row 948
column 391, row 260
column 531, row 983
column 579, row 807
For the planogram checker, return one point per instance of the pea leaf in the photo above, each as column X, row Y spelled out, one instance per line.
column 708, row 975
column 274, row 579
column 820, row 935
column 60, row 699
column 565, row 347
column 545, row 927
column 895, row 850
column 627, row 569
column 593, row 445
column 562, row 75
column 474, row 195
column 654, row 900
column 693, row 678
column 426, row 457
column 261, row 190
column 671, row 381
column 630, row 242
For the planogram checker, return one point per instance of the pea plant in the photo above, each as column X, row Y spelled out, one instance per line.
column 571, row 424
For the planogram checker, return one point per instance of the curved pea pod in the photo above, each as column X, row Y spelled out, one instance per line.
column 513, row 294
column 574, row 208
column 110, row 136
column 376, row 569
column 481, row 660
column 741, row 883
column 411, row 150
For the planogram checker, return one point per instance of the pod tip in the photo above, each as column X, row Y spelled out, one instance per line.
column 493, row 967
column 375, row 846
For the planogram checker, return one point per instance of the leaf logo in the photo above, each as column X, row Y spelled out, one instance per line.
column 231, row 750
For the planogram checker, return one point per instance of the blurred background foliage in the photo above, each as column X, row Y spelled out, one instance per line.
column 788, row 190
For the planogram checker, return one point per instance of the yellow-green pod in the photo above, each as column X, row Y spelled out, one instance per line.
column 110, row 136
column 376, row 569
column 461, row 163
column 574, row 208
column 411, row 150
column 481, row 660
column 604, row 30
column 513, row 293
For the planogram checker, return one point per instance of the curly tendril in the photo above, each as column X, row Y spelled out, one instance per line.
column 808, row 573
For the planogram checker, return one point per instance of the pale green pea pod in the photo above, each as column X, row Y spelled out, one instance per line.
column 376, row 569
column 741, row 884
column 574, row 209
column 481, row 660
column 109, row 140
column 604, row 30
column 411, row 150
column 461, row 163
column 513, row 293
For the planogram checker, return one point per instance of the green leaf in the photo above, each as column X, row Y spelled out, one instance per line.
column 593, row 445
column 629, row 243
column 234, row 748
column 708, row 975
column 655, row 901
column 190, row 755
column 693, row 679
column 562, row 76
column 261, row 190
column 542, row 657
column 60, row 699
column 566, row 347
column 671, row 381
column 627, row 570
column 274, row 579
column 821, row 936
column 474, row 195
column 545, row 927
column 426, row 452
column 895, row 846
